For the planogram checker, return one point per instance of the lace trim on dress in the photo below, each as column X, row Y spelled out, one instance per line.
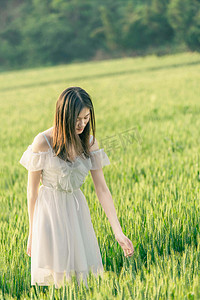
column 98, row 159
column 35, row 161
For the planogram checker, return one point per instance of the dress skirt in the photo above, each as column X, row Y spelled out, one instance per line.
column 63, row 239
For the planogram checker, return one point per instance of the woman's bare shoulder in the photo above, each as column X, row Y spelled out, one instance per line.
column 48, row 133
column 39, row 143
column 94, row 146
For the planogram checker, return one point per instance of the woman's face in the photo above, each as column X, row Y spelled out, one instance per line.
column 82, row 120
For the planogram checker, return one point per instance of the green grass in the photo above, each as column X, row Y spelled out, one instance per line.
column 154, row 179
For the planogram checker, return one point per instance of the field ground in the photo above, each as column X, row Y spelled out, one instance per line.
column 150, row 108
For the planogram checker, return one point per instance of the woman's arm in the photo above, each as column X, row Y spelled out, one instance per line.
column 104, row 195
column 32, row 193
column 39, row 145
column 105, row 198
column 106, row 201
column 34, row 177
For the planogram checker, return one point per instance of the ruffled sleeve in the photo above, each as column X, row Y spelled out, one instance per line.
column 98, row 159
column 34, row 161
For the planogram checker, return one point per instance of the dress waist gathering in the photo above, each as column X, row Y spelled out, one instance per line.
column 70, row 191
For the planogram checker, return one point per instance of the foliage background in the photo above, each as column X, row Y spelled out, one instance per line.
column 48, row 32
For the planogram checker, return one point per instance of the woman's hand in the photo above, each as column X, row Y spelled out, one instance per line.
column 125, row 243
column 29, row 244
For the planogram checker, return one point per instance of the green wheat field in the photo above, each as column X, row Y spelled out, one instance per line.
column 148, row 122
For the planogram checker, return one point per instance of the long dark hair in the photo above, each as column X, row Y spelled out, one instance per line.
column 65, row 139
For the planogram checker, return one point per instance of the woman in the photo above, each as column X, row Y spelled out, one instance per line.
column 62, row 241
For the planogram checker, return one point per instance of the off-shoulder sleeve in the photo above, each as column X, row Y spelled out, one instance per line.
column 33, row 161
column 98, row 159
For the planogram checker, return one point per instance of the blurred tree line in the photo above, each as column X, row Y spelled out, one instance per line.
column 42, row 32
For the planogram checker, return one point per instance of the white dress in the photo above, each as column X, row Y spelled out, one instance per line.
column 63, row 238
